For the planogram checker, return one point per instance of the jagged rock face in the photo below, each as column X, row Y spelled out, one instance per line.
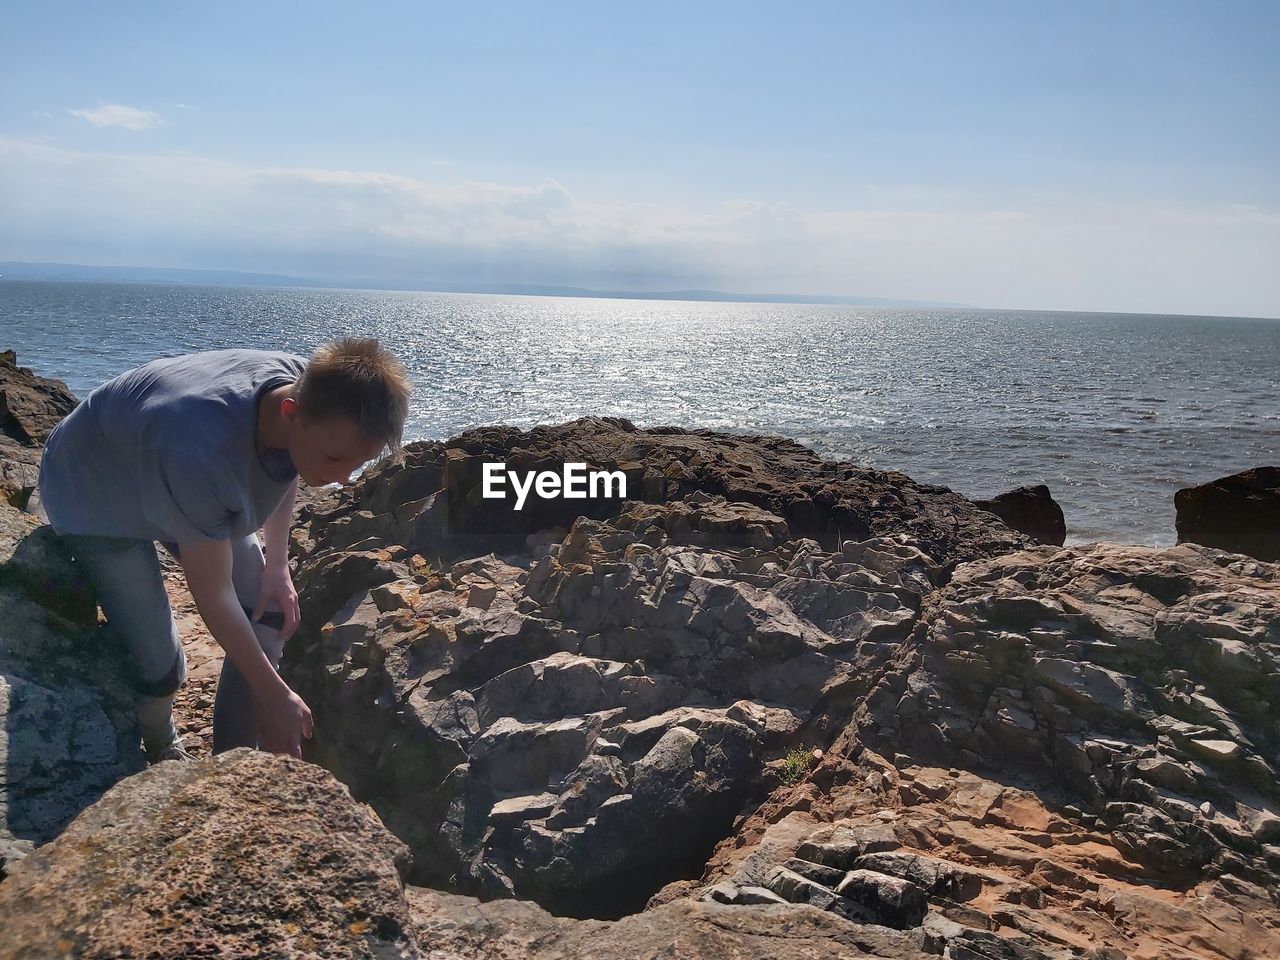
column 626, row 667
column 1030, row 510
column 973, row 867
column 244, row 854
column 1240, row 513
column 530, row 730
column 1129, row 676
column 1074, row 751
column 68, row 728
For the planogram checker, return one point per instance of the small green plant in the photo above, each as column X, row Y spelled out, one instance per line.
column 796, row 764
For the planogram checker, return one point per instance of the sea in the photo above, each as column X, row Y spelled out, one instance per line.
column 1114, row 412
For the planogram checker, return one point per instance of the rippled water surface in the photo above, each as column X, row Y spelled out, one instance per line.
column 1113, row 411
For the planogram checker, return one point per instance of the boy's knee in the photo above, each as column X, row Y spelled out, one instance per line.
column 167, row 685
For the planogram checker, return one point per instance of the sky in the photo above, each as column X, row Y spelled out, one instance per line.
column 1117, row 156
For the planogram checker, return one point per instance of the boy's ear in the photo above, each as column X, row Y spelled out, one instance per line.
column 289, row 408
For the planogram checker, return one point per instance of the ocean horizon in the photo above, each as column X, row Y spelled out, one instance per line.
column 1114, row 412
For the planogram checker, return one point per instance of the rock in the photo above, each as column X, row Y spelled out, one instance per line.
column 1030, row 510
column 19, row 475
column 241, row 854
column 815, row 498
column 625, row 627
column 30, row 406
column 795, row 888
column 728, row 893
column 1239, row 513
column 713, row 588
column 840, row 847
column 68, row 724
column 935, row 877
column 1058, row 671
column 35, row 562
column 1216, row 749
column 757, row 895
column 1262, row 825
column 892, row 901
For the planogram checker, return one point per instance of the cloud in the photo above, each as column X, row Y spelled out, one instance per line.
column 1063, row 252
column 42, row 114
column 118, row 115
column 185, row 106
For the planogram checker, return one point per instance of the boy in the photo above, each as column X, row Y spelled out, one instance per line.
column 198, row 452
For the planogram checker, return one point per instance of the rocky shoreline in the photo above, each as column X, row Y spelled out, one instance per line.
column 769, row 705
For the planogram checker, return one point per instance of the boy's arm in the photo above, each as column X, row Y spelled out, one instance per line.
column 277, row 583
column 282, row 715
column 275, row 532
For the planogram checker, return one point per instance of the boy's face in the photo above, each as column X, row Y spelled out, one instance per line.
column 329, row 451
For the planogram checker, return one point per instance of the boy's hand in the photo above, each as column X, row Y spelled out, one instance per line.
column 277, row 587
column 283, row 721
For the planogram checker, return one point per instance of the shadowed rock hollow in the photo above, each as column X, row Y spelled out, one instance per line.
column 530, row 723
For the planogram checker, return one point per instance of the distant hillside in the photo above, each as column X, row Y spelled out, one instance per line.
column 18, row 270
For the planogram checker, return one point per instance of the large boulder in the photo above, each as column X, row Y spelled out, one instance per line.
column 244, row 854
column 1240, row 513
column 1030, row 510
column 433, row 500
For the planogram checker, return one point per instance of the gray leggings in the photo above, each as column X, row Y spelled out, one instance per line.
column 125, row 572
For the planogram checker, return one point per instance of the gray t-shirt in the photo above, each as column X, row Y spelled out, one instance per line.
column 167, row 451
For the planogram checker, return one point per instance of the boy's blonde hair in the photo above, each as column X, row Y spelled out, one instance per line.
column 355, row 377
